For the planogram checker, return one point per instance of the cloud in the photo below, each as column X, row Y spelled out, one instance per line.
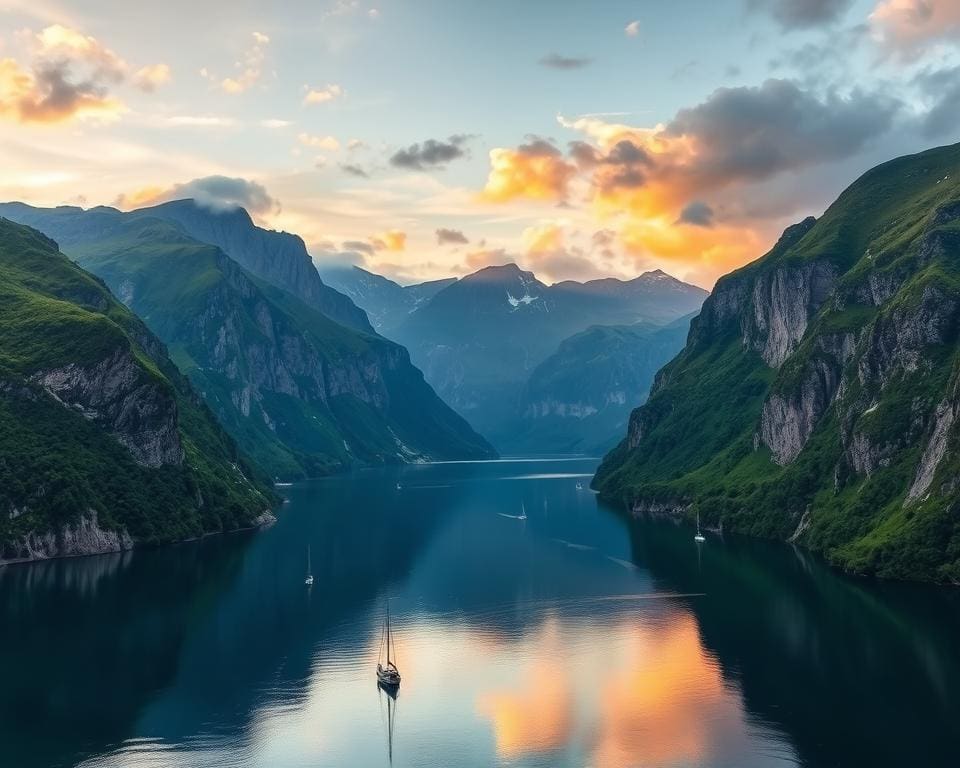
column 697, row 213
column 250, row 69
column 354, row 170
column 323, row 95
column 275, row 123
column 328, row 143
column 355, row 144
column 216, row 192
column 632, row 29
column 942, row 88
column 392, row 240
column 556, row 61
column 199, row 121
column 358, row 245
column 451, row 236
column 149, row 78
column 485, row 257
column 803, row 14
column 70, row 76
column 906, row 27
column 536, row 170
column 430, row 154
column 549, row 255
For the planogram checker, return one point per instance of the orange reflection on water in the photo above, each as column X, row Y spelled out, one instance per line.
column 635, row 693
column 537, row 715
column 666, row 704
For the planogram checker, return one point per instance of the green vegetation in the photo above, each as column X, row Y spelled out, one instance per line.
column 301, row 394
column 56, row 465
column 880, row 350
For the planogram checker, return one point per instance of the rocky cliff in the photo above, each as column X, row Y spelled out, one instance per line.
column 302, row 394
column 102, row 442
column 834, row 360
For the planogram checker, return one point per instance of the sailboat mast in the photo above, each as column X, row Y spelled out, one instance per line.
column 388, row 632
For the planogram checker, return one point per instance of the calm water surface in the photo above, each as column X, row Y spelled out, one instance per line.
column 573, row 638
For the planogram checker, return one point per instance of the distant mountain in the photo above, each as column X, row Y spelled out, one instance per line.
column 580, row 398
column 479, row 339
column 102, row 442
column 818, row 395
column 280, row 258
column 386, row 303
column 301, row 393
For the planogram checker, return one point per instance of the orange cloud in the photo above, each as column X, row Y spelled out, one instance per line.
column 391, row 240
column 908, row 25
column 251, row 68
column 322, row 95
column 537, row 171
column 68, row 77
column 149, row 78
column 543, row 238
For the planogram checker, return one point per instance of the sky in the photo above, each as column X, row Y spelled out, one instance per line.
column 427, row 138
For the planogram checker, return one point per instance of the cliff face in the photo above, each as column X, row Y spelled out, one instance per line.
column 579, row 399
column 113, row 392
column 102, row 442
column 835, row 357
column 280, row 258
column 302, row 394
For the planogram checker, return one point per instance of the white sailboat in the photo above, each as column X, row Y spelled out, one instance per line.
column 387, row 674
column 523, row 512
column 699, row 538
column 309, row 580
column 579, row 486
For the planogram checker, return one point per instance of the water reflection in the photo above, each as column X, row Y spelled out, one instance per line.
column 571, row 638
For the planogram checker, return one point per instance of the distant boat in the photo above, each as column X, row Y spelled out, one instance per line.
column 579, row 486
column 699, row 538
column 309, row 580
column 387, row 674
column 523, row 512
column 398, row 486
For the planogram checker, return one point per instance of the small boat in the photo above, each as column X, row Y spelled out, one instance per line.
column 388, row 675
column 579, row 486
column 523, row 512
column 398, row 486
column 309, row 580
column 699, row 538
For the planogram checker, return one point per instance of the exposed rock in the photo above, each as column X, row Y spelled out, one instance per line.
column 85, row 537
column 140, row 412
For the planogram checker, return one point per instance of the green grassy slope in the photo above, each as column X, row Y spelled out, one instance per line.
column 874, row 369
column 302, row 394
column 55, row 464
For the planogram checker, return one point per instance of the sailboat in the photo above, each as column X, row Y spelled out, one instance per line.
column 309, row 580
column 699, row 538
column 579, row 486
column 388, row 675
column 523, row 512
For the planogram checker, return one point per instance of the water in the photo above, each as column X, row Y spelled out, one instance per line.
column 571, row 638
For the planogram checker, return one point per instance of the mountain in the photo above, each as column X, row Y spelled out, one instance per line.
column 279, row 258
column 386, row 303
column 102, row 442
column 816, row 399
column 479, row 339
column 300, row 393
column 580, row 398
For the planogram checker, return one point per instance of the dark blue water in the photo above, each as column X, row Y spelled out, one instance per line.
column 571, row 638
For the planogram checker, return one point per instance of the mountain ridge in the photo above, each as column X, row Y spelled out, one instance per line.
column 836, row 356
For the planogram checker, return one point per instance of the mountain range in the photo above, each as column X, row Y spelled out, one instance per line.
column 301, row 393
column 817, row 397
column 479, row 340
column 103, row 443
